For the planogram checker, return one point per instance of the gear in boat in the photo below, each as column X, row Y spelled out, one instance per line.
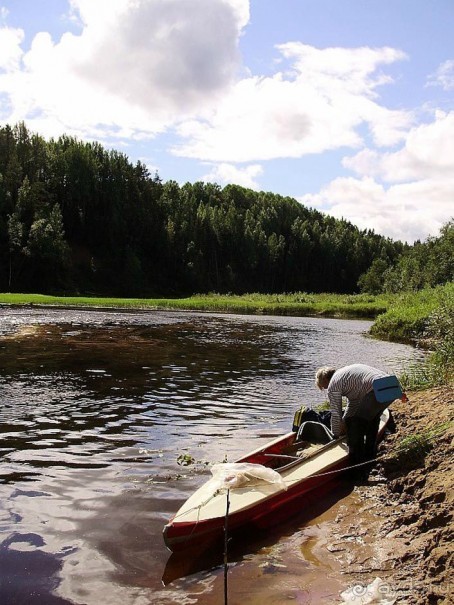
column 312, row 437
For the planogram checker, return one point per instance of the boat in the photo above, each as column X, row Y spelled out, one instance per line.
column 260, row 488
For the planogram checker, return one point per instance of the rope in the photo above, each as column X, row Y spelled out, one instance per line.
column 198, row 507
column 338, row 470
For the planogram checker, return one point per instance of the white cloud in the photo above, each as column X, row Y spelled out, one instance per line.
column 315, row 104
column 405, row 211
column 428, row 153
column 407, row 194
column 140, row 67
column 444, row 76
column 345, row 68
column 166, row 56
column 100, row 15
column 10, row 49
column 137, row 67
column 224, row 174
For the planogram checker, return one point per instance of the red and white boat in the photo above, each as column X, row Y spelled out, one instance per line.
column 301, row 471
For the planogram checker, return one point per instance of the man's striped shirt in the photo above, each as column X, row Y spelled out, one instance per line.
column 353, row 382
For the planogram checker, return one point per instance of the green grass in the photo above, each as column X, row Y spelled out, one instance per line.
column 298, row 304
column 413, row 449
column 408, row 316
column 422, row 375
column 425, row 318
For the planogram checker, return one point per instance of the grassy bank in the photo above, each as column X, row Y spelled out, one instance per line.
column 409, row 317
column 298, row 304
column 425, row 318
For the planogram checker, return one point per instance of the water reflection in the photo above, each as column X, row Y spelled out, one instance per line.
column 96, row 407
column 25, row 569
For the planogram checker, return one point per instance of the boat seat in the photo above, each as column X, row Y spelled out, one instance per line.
column 314, row 432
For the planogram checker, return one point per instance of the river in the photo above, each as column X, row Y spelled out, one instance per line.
column 98, row 409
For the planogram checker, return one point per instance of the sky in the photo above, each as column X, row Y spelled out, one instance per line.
column 345, row 105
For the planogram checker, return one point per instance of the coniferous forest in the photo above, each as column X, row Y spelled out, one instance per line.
column 77, row 218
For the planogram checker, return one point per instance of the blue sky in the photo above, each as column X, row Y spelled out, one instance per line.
column 345, row 105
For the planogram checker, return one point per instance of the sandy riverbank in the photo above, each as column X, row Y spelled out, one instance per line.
column 405, row 517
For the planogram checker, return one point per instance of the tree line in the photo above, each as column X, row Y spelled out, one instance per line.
column 77, row 218
column 424, row 265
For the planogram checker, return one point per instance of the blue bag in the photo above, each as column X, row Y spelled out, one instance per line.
column 387, row 389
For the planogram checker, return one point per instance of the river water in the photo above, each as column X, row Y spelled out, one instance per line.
column 97, row 409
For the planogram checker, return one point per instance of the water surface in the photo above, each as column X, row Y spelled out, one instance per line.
column 96, row 407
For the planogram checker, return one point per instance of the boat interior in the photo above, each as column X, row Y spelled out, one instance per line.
column 312, row 438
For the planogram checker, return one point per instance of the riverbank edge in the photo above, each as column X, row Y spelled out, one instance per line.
column 340, row 306
column 400, row 317
column 412, row 502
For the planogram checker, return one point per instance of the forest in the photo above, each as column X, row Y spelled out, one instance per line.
column 76, row 218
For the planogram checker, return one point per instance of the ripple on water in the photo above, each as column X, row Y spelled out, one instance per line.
column 96, row 407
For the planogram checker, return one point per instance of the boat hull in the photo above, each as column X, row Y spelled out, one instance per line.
column 181, row 535
column 198, row 524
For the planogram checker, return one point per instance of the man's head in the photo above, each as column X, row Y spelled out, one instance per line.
column 323, row 376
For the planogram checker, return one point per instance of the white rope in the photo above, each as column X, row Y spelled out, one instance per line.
column 338, row 470
column 198, row 507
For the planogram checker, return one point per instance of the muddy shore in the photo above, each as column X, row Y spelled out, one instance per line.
column 404, row 529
